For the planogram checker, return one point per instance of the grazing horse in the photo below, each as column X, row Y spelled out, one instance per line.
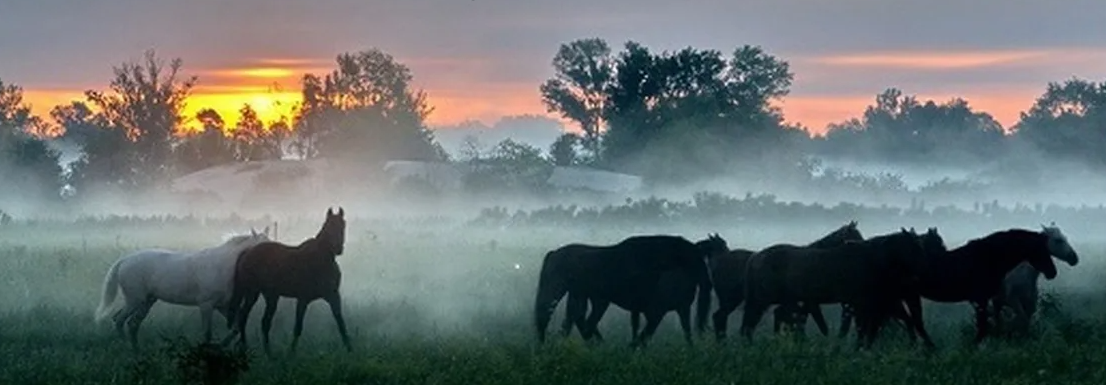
column 868, row 275
column 306, row 272
column 728, row 276
column 975, row 271
column 626, row 274
column 201, row 278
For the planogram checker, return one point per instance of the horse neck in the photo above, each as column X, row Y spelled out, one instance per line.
column 314, row 247
column 827, row 241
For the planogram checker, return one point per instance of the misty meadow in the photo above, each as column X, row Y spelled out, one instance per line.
column 444, row 254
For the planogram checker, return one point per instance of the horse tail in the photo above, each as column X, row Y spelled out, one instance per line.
column 705, row 294
column 110, row 289
column 551, row 288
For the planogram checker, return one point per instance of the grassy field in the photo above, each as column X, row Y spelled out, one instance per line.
column 438, row 305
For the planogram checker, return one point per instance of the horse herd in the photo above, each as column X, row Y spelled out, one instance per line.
column 873, row 279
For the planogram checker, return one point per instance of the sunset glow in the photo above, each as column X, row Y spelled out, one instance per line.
column 272, row 87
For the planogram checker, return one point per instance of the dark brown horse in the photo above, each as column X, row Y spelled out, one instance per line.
column 934, row 244
column 869, row 275
column 626, row 274
column 975, row 271
column 305, row 272
column 728, row 276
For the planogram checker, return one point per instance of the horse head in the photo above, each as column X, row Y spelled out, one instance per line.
column 845, row 234
column 713, row 246
column 933, row 243
column 908, row 248
column 1058, row 244
column 333, row 233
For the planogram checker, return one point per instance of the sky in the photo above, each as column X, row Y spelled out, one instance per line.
column 484, row 59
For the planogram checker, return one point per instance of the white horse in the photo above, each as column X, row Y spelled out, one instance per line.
column 203, row 278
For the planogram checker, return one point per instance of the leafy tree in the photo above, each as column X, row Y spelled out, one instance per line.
column 563, row 151
column 898, row 128
column 510, row 165
column 143, row 106
column 208, row 147
column 28, row 166
column 646, row 100
column 1068, row 121
column 579, row 90
column 253, row 141
column 367, row 110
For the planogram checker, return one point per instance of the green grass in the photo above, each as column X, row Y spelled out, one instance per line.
column 429, row 306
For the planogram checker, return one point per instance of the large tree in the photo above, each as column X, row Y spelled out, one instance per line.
column 580, row 87
column 208, row 147
column 365, row 109
column 900, row 129
column 141, row 112
column 1068, row 121
column 641, row 101
column 28, row 166
column 253, row 141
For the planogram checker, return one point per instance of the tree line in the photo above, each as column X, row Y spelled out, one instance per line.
column 669, row 116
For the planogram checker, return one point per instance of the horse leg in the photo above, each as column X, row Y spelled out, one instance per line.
column 635, row 324
column 122, row 315
column 684, row 314
column 815, row 311
column 576, row 309
column 754, row 311
column 847, row 317
column 297, row 330
column 591, row 325
column 917, row 319
column 997, row 304
column 232, row 332
column 652, row 321
column 243, row 315
column 271, row 302
column 136, row 320
column 721, row 317
column 206, row 312
column 334, row 300
column 981, row 323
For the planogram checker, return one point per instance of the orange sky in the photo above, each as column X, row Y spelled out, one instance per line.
column 272, row 86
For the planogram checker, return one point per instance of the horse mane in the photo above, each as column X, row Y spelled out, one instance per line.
column 234, row 239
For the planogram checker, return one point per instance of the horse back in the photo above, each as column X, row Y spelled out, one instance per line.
column 290, row 271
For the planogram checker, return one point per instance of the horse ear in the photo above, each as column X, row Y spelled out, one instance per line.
column 253, row 232
column 265, row 231
column 329, row 212
column 341, row 212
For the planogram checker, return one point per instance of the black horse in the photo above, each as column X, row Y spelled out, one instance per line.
column 728, row 276
column 975, row 271
column 626, row 274
column 869, row 275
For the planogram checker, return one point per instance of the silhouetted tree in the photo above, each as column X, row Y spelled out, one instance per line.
column 253, row 141
column 563, row 151
column 365, row 109
column 900, row 129
column 644, row 100
column 208, row 147
column 1068, row 121
column 28, row 166
column 143, row 106
column 580, row 87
